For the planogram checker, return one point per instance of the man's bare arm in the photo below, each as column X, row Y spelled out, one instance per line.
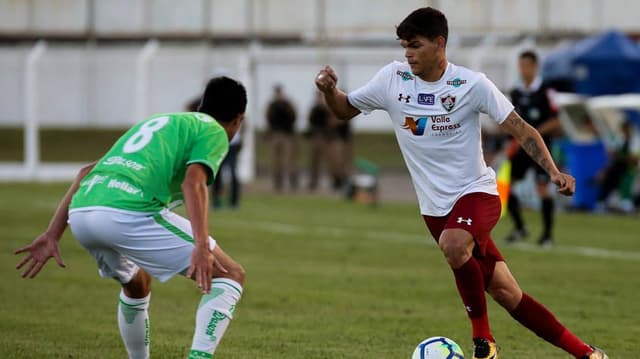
column 532, row 143
column 45, row 246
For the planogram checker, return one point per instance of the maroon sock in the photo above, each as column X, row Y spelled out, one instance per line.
column 471, row 288
column 541, row 321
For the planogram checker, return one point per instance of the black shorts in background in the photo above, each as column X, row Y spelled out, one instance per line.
column 520, row 164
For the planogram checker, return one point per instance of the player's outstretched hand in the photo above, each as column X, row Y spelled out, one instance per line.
column 327, row 79
column 566, row 183
column 38, row 253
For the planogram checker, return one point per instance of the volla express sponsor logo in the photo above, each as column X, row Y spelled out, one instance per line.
column 440, row 125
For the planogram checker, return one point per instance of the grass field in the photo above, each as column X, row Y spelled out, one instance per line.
column 325, row 279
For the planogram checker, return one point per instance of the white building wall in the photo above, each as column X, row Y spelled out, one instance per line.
column 515, row 15
column 60, row 16
column 621, row 14
column 278, row 17
column 573, row 15
column 85, row 86
column 284, row 16
column 466, row 15
column 12, row 66
column 229, row 17
column 113, row 101
column 116, row 17
column 372, row 16
column 14, row 16
column 62, row 77
column 187, row 18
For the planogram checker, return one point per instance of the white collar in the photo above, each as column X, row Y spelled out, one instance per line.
column 535, row 85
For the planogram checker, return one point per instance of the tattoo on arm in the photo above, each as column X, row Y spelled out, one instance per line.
column 532, row 147
column 530, row 141
column 516, row 121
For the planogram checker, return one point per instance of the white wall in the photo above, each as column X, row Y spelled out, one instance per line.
column 277, row 17
column 82, row 86
column 12, row 67
column 14, row 16
column 60, row 16
column 85, row 86
column 121, row 17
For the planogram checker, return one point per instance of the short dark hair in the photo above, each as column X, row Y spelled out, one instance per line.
column 427, row 22
column 223, row 99
column 193, row 104
column 529, row 54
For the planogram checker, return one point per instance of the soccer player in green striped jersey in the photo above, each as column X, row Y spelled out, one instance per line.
column 119, row 210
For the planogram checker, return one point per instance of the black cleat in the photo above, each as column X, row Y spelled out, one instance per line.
column 596, row 354
column 517, row 234
column 484, row 349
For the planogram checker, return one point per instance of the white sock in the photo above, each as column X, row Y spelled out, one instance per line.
column 213, row 317
column 133, row 321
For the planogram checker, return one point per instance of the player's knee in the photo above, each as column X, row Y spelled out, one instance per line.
column 455, row 252
column 139, row 286
column 239, row 273
column 235, row 271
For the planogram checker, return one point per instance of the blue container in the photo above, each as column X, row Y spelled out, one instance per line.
column 584, row 161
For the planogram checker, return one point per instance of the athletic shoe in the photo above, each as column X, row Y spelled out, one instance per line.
column 545, row 242
column 596, row 354
column 517, row 234
column 484, row 349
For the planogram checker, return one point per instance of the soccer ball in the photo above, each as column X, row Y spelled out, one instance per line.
column 438, row 348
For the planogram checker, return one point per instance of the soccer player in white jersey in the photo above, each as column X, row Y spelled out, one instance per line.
column 118, row 209
column 434, row 106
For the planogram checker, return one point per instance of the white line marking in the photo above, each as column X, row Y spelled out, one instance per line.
column 293, row 229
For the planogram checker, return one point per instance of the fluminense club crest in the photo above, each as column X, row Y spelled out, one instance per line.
column 448, row 102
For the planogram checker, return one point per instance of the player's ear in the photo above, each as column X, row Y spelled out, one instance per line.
column 442, row 42
column 239, row 118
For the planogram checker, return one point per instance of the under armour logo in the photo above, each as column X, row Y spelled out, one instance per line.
column 405, row 98
column 465, row 220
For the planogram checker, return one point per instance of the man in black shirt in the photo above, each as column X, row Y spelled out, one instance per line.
column 532, row 102
column 281, row 118
column 320, row 118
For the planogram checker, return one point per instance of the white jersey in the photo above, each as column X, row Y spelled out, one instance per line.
column 438, row 129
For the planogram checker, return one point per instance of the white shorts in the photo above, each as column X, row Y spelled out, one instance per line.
column 123, row 241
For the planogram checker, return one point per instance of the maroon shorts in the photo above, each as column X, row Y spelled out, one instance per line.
column 476, row 213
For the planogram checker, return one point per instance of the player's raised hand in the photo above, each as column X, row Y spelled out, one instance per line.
column 327, row 79
column 566, row 183
column 38, row 253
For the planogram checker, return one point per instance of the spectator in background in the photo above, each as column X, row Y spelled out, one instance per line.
column 621, row 165
column 340, row 153
column 230, row 164
column 531, row 100
column 281, row 118
column 320, row 120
